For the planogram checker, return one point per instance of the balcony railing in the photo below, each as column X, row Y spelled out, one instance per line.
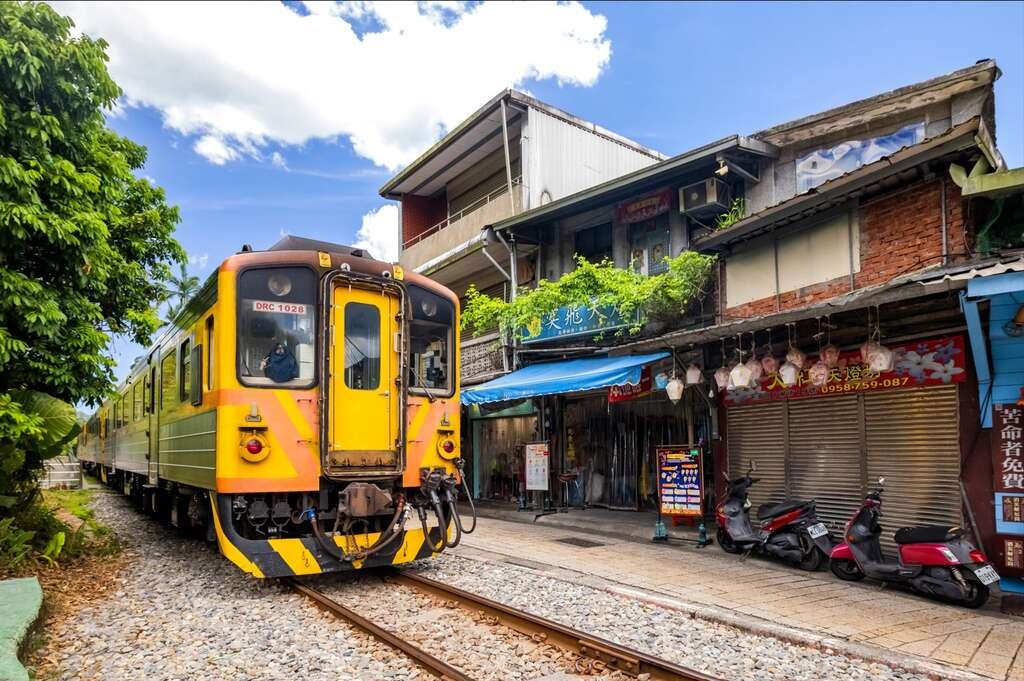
column 455, row 217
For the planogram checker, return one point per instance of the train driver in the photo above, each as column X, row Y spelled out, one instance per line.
column 279, row 365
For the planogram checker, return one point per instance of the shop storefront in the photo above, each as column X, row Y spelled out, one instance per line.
column 831, row 441
column 602, row 420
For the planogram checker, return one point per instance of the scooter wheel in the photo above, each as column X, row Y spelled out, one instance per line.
column 846, row 570
column 812, row 560
column 979, row 596
column 726, row 542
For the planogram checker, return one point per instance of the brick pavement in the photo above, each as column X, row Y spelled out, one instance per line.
column 983, row 641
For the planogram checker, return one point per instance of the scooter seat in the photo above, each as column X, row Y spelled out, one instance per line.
column 771, row 510
column 927, row 534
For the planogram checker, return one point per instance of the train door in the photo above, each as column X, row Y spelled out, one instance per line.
column 364, row 400
column 153, row 431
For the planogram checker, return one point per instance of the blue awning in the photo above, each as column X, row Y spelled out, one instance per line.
column 565, row 376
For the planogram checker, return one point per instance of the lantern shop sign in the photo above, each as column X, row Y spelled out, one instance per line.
column 1007, row 454
column 628, row 391
column 921, row 363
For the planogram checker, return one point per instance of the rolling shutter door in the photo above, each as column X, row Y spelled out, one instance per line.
column 912, row 439
column 757, row 432
column 825, row 456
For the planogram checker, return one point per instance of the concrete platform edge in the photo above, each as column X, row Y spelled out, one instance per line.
column 20, row 603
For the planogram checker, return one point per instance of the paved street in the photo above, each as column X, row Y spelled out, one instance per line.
column 767, row 595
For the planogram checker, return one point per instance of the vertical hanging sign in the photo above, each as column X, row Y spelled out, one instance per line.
column 680, row 480
column 538, row 459
column 1008, row 448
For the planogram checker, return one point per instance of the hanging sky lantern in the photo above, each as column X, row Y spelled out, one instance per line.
column 722, row 377
column 818, row 373
column 875, row 355
column 789, row 374
column 740, row 376
column 830, row 356
column 674, row 389
column 694, row 375
column 794, row 355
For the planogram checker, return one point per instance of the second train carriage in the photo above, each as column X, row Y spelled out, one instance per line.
column 303, row 408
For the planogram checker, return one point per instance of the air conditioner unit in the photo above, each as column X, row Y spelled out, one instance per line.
column 705, row 199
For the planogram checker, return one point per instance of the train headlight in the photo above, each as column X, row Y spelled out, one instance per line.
column 446, row 447
column 254, row 447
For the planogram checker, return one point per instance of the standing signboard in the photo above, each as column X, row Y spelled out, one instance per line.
column 680, row 480
column 538, row 459
column 1008, row 485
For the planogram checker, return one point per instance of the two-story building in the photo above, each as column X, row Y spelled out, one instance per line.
column 513, row 154
column 853, row 236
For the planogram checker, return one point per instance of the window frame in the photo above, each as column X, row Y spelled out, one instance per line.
column 380, row 345
column 610, row 254
column 317, row 323
column 209, row 352
column 453, row 359
column 171, row 354
column 184, row 364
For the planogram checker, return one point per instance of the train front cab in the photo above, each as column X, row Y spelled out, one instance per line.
column 352, row 463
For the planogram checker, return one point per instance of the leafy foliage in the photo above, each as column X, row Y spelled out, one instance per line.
column 596, row 285
column 85, row 245
column 737, row 209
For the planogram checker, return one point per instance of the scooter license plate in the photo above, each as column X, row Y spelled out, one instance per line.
column 817, row 530
column 986, row 574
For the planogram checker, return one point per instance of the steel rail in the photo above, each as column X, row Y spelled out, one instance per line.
column 430, row 663
column 613, row 655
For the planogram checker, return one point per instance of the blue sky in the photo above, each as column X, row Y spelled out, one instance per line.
column 676, row 76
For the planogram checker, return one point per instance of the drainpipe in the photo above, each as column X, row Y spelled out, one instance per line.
column 508, row 157
column 942, row 206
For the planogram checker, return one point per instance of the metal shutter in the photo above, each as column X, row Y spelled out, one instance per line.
column 825, row 456
column 912, row 439
column 758, row 432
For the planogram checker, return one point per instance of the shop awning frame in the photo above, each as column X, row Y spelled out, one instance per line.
column 563, row 376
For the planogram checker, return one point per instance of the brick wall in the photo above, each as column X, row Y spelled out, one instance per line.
column 420, row 213
column 899, row 233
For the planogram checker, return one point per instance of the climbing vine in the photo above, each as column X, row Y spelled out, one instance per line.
column 599, row 286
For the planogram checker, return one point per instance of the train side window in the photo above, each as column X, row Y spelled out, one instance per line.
column 209, row 353
column 362, row 346
column 137, row 401
column 146, row 392
column 168, row 380
column 195, row 385
column 184, row 370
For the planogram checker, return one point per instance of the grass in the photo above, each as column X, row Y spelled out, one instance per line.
column 91, row 536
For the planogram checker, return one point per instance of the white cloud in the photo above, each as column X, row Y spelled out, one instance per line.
column 239, row 77
column 199, row 260
column 379, row 233
column 214, row 150
column 278, row 160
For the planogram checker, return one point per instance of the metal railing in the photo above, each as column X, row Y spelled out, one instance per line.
column 455, row 217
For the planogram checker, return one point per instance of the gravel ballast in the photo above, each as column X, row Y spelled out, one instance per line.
column 182, row 611
column 708, row 647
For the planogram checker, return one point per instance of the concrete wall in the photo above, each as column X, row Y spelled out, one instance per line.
column 899, row 233
column 460, row 231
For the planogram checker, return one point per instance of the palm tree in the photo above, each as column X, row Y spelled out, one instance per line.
column 180, row 290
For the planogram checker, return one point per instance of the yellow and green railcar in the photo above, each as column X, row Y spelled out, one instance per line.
column 303, row 408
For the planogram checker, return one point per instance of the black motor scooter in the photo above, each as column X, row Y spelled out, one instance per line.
column 790, row 530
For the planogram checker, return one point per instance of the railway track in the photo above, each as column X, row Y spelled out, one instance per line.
column 602, row 653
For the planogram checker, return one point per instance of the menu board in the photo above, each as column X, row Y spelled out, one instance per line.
column 680, row 480
column 538, row 459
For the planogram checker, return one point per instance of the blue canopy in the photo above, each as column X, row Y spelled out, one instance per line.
column 566, row 376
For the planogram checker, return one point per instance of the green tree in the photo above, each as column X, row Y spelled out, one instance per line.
column 180, row 289
column 86, row 247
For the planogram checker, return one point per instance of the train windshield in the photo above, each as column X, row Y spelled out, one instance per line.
column 277, row 327
column 430, row 340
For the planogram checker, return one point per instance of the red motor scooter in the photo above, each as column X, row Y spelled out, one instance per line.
column 933, row 559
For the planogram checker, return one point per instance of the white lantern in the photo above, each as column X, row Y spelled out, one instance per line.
column 789, row 373
column 830, row 355
column 879, row 358
column 756, row 370
column 693, row 375
column 674, row 389
column 769, row 363
column 740, row 376
column 796, row 357
column 818, row 373
column 722, row 377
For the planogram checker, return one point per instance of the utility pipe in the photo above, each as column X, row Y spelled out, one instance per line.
column 942, row 207
column 508, row 158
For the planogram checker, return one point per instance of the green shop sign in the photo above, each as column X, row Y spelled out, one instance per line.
column 576, row 320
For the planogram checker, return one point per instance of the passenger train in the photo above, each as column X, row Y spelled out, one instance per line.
column 303, row 409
